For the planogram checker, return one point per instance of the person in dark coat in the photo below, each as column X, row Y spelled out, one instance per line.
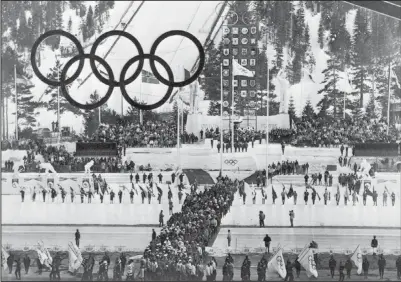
column 44, row 195
column 10, row 261
column 267, row 241
column 131, row 177
column 160, row 176
column 297, row 266
column 290, row 275
column 137, row 178
column 18, row 269
column 120, row 196
column 123, row 259
column 306, row 177
column 22, row 194
column 161, row 219
column 77, row 237
column 173, row 178
column 332, row 265
column 27, row 263
column 306, row 196
column 341, row 271
column 348, row 267
column 153, row 235
column 365, row 267
column 382, row 264
column 342, row 149
column 112, row 194
column 144, row 177
column 131, row 196
column 398, row 266
column 82, row 191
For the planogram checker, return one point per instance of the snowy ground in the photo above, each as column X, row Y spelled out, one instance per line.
column 334, row 239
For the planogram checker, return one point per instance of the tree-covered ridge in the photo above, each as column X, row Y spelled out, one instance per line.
column 23, row 22
column 361, row 56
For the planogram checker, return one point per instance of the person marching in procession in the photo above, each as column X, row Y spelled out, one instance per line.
column 170, row 207
column 254, row 196
column 22, row 194
column 292, row 216
column 27, row 263
column 332, row 265
column 229, row 238
column 365, row 267
column 137, row 177
column 161, row 219
column 382, row 264
column 131, row 195
column 283, row 194
column 82, row 194
column 53, row 193
column 44, row 194
column 34, row 194
column 341, row 271
column 267, row 241
column 306, row 196
column 72, row 194
column 160, row 176
column 160, row 194
column 325, row 196
column 112, row 194
column 120, row 195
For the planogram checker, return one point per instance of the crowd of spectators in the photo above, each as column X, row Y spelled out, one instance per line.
column 178, row 252
column 149, row 134
column 320, row 132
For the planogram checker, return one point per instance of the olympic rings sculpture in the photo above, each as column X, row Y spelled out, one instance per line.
column 231, row 162
column 122, row 83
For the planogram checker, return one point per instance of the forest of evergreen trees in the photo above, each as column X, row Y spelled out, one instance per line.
column 365, row 55
column 22, row 23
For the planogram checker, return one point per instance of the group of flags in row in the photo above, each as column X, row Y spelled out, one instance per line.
column 306, row 259
column 74, row 255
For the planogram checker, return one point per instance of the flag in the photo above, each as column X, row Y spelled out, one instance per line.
column 4, row 257
column 43, row 254
column 308, row 262
column 240, row 70
column 357, row 259
column 143, row 190
column 150, row 190
column 134, row 188
column 290, row 192
column 277, row 264
column 74, row 257
column 148, row 77
column 396, row 78
column 274, row 194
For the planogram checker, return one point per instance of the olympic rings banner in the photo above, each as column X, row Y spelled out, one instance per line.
column 123, row 82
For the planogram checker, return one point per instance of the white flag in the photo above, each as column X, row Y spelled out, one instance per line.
column 74, row 257
column 4, row 257
column 277, row 264
column 357, row 259
column 308, row 262
column 240, row 70
column 396, row 78
column 43, row 254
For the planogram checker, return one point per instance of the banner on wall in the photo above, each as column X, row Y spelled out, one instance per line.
column 86, row 184
column 15, row 183
column 50, row 183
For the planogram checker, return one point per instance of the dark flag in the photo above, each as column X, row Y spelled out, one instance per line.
column 290, row 192
column 274, row 194
column 148, row 77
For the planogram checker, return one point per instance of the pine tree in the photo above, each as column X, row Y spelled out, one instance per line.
column 211, row 71
column 370, row 108
column 330, row 90
column 290, row 71
column 321, row 34
column 52, row 93
column 361, row 57
column 214, row 108
column 308, row 113
column 69, row 25
column 91, row 118
column 291, row 110
column 90, row 25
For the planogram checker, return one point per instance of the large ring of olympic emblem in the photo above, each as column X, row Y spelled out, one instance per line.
column 110, row 80
column 231, row 162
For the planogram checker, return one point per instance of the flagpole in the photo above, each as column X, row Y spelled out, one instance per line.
column 267, row 121
column 232, row 109
column 389, row 95
column 221, row 119
column 100, row 120
column 182, row 117
column 178, row 136
column 58, row 109
column 6, row 119
column 140, row 100
column 16, row 103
